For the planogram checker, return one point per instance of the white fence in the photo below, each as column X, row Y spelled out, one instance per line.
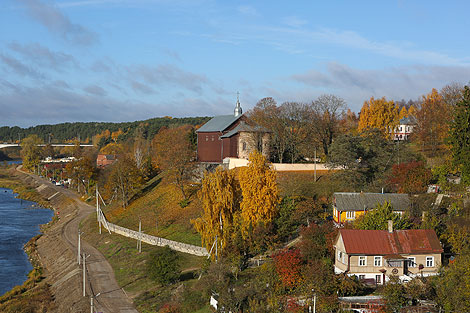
column 156, row 241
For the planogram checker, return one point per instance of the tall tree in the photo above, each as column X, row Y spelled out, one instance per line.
column 379, row 113
column 433, row 117
column 324, row 115
column 174, row 154
column 378, row 217
column 260, row 194
column 220, row 202
column 459, row 138
column 31, row 152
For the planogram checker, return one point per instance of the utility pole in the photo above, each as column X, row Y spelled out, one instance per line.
column 84, row 272
column 315, row 165
column 139, row 243
column 92, row 307
column 79, row 244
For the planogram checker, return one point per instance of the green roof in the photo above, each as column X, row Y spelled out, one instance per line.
column 218, row 123
column 355, row 201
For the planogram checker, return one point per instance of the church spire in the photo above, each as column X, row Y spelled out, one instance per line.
column 238, row 109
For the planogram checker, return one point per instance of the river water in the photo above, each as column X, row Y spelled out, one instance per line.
column 19, row 222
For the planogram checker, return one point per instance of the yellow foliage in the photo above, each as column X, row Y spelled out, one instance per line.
column 116, row 134
column 403, row 113
column 220, row 203
column 380, row 114
column 260, row 193
column 112, row 148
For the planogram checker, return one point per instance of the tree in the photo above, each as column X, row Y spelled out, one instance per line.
column 83, row 171
column 459, row 136
column 220, row 202
column 260, row 194
column 164, row 265
column 395, row 295
column 380, row 114
column 324, row 115
column 124, row 179
column 175, row 155
column 378, row 218
column 31, row 152
column 410, row 177
column 288, row 263
column 433, row 117
column 453, row 294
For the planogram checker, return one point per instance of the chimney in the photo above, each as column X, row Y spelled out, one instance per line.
column 390, row 226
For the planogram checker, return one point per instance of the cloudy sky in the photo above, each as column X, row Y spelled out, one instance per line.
column 125, row 60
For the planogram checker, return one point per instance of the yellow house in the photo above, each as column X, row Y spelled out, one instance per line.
column 347, row 206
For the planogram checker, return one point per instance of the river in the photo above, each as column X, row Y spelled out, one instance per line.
column 19, row 222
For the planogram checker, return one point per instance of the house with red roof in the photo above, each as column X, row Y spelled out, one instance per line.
column 378, row 254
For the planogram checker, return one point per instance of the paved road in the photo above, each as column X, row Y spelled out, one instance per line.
column 100, row 275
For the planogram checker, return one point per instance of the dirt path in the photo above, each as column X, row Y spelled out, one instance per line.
column 62, row 270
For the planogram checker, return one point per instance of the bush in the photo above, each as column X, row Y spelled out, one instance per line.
column 164, row 265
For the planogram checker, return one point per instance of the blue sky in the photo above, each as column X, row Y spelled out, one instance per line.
column 125, row 60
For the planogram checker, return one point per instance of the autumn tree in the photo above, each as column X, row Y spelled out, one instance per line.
column 82, row 171
column 410, row 177
column 453, row 294
column 220, row 203
column 433, row 117
column 459, row 136
column 124, row 179
column 31, row 152
column 379, row 113
column 174, row 154
column 324, row 115
column 260, row 194
column 288, row 263
column 378, row 218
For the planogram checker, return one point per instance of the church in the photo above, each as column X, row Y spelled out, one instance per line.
column 230, row 136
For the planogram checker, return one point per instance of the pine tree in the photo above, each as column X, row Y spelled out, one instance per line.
column 459, row 138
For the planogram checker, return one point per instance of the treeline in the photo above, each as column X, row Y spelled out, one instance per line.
column 64, row 132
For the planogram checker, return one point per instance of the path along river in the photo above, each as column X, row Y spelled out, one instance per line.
column 19, row 222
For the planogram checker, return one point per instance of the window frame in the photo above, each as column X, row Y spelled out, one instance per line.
column 360, row 259
column 350, row 215
column 378, row 258
column 411, row 261
column 378, row 279
column 431, row 259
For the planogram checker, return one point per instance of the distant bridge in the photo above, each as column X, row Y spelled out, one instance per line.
column 6, row 145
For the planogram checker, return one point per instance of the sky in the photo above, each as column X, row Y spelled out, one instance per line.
column 127, row 60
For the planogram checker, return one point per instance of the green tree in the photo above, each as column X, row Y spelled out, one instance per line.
column 453, row 292
column 31, row 152
column 459, row 138
column 378, row 218
column 164, row 265
column 395, row 295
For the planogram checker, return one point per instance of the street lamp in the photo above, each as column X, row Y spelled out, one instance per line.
column 92, row 307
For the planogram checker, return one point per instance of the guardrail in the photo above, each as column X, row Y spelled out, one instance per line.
column 156, row 241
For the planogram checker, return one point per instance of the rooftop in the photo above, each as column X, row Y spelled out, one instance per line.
column 382, row 242
column 359, row 201
column 219, row 123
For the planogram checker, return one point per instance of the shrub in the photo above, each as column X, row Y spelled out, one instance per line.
column 164, row 265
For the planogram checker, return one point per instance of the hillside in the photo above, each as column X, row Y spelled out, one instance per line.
column 69, row 131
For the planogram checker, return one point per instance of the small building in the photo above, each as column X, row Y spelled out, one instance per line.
column 347, row 206
column 379, row 254
column 103, row 160
column 230, row 136
column 405, row 128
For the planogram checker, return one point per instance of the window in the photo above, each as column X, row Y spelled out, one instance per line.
column 340, row 255
column 378, row 279
column 350, row 215
column 207, row 138
column 212, row 138
column 244, row 146
column 377, row 261
column 362, row 277
column 429, row 261
column 362, row 261
column 411, row 261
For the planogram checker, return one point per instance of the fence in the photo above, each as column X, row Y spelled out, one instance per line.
column 152, row 240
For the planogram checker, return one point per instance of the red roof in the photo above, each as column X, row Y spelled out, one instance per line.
column 381, row 242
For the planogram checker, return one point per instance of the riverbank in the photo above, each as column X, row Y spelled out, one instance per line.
column 33, row 295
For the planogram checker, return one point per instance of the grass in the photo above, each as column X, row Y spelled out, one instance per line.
column 130, row 267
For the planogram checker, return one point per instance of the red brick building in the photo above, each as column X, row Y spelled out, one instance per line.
column 230, row 136
column 103, row 160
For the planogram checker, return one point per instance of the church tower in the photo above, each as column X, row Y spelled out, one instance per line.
column 238, row 109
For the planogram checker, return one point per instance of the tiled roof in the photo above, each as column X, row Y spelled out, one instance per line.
column 382, row 242
column 410, row 120
column 218, row 123
column 355, row 201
